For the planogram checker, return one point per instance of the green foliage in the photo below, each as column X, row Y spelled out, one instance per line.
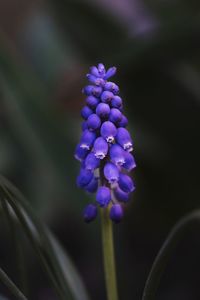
column 56, row 262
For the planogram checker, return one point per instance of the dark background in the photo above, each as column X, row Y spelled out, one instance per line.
column 46, row 48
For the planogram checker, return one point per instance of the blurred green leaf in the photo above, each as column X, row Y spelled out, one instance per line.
column 65, row 279
column 11, row 286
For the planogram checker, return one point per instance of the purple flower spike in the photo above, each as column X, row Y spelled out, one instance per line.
column 105, row 145
column 91, row 162
column 112, row 87
column 87, row 139
column 108, row 131
column 121, row 195
column 106, row 96
column 93, row 122
column 103, row 110
column 115, row 115
column 103, row 196
column 92, row 186
column 86, row 112
column 129, row 161
column 84, row 177
column 111, row 72
column 116, row 102
column 100, row 148
column 116, row 213
column 123, row 122
column 111, row 173
column 92, row 101
column 90, row 213
column 80, row 153
column 126, row 183
column 123, row 138
column 117, row 155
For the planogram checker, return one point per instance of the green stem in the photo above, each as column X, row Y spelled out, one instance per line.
column 160, row 263
column 108, row 254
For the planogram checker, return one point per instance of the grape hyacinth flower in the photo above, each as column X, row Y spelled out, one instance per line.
column 105, row 146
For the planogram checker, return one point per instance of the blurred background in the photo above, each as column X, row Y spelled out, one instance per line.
column 46, row 48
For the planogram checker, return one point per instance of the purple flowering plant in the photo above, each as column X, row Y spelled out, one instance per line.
column 105, row 147
column 104, row 152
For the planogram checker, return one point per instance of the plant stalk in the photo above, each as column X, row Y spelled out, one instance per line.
column 108, row 254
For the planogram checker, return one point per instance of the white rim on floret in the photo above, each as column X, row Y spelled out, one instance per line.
column 110, row 139
column 128, row 146
column 99, row 155
column 84, row 146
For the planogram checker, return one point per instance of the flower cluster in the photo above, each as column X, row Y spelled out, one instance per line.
column 105, row 146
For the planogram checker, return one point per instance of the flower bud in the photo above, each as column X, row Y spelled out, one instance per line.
column 129, row 161
column 103, row 110
column 91, row 162
column 93, row 122
column 92, row 101
column 108, row 131
column 92, row 186
column 87, row 139
column 84, row 177
column 117, row 155
column 101, row 69
column 103, row 196
column 116, row 213
column 115, row 115
column 111, row 72
column 106, row 96
column 86, row 112
column 100, row 148
column 121, row 195
column 123, row 122
column 90, row 213
column 125, row 183
column 116, row 102
column 94, row 71
column 111, row 172
column 123, row 138
column 112, row 87
column 80, row 153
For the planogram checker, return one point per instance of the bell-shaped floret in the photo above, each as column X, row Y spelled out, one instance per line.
column 106, row 96
column 84, row 177
column 89, row 213
column 80, row 153
column 103, row 196
column 115, row 115
column 112, row 87
column 93, row 122
column 87, row 139
column 111, row 172
column 91, row 162
column 111, row 72
column 126, row 183
column 108, row 131
column 116, row 102
column 86, row 112
column 103, row 110
column 100, row 148
column 117, row 155
column 116, row 213
column 123, row 138
column 129, row 161
column 121, row 195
